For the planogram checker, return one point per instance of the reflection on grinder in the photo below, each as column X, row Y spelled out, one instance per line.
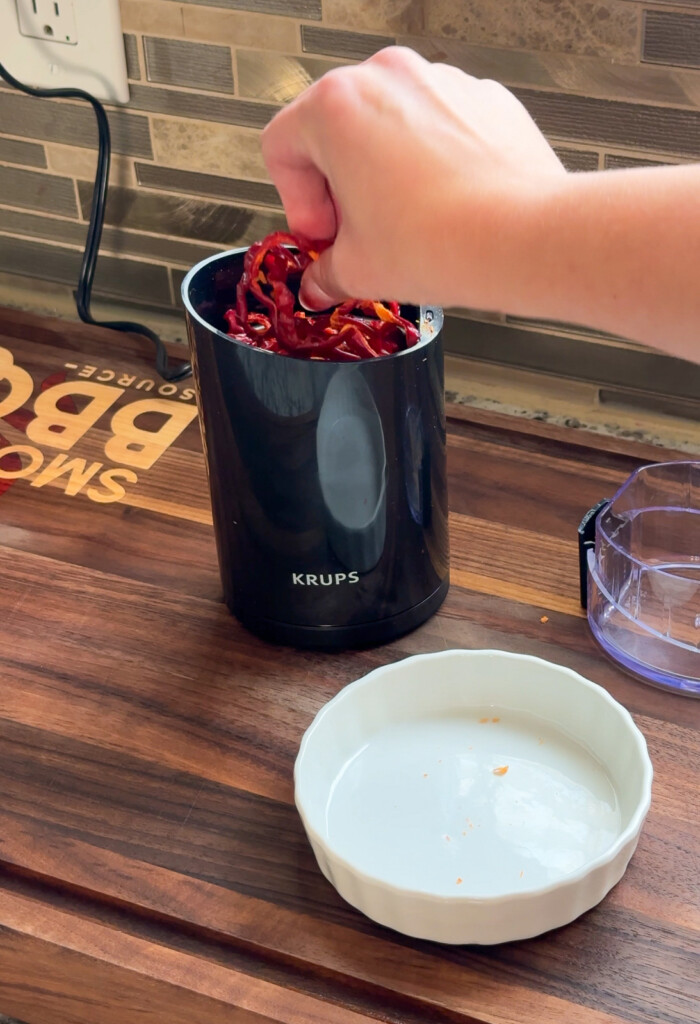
column 352, row 471
column 417, row 460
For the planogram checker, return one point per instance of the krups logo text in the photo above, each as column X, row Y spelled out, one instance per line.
column 330, row 579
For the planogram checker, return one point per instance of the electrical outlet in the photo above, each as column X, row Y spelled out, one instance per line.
column 60, row 44
column 48, row 19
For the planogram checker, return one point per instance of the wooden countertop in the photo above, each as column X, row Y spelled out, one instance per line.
column 153, row 867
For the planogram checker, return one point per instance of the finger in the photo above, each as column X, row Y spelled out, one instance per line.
column 319, row 287
column 301, row 184
column 398, row 59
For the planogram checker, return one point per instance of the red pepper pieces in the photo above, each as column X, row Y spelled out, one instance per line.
column 356, row 329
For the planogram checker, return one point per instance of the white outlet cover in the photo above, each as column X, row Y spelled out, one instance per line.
column 48, row 19
column 95, row 62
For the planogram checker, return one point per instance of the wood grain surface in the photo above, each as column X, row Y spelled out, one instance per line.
column 152, row 865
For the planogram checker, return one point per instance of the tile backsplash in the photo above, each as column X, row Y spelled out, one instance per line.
column 613, row 83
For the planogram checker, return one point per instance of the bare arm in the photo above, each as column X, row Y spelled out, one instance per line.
column 435, row 186
column 620, row 251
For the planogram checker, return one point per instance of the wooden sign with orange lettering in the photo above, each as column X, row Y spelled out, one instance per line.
column 100, row 433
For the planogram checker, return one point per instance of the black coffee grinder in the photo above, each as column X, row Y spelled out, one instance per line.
column 328, row 480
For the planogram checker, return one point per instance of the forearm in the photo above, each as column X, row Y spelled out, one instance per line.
column 618, row 251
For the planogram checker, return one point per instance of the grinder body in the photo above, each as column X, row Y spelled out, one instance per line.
column 328, row 480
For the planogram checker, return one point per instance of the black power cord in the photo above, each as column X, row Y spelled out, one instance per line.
column 94, row 233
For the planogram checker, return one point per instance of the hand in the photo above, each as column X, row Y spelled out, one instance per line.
column 420, row 175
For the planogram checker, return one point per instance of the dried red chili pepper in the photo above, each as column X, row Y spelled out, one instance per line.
column 356, row 329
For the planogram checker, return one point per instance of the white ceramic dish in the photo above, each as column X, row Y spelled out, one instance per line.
column 473, row 796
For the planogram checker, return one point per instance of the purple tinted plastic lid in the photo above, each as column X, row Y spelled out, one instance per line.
column 644, row 576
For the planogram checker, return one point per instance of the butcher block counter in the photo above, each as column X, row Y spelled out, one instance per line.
column 153, row 865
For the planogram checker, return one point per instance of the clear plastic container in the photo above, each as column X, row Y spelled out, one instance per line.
column 644, row 576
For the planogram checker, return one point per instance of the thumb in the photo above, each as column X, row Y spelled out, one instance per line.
column 319, row 288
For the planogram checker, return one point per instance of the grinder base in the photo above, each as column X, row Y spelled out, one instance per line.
column 338, row 638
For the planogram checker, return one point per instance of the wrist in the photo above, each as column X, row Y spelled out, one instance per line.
column 507, row 260
column 535, row 254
